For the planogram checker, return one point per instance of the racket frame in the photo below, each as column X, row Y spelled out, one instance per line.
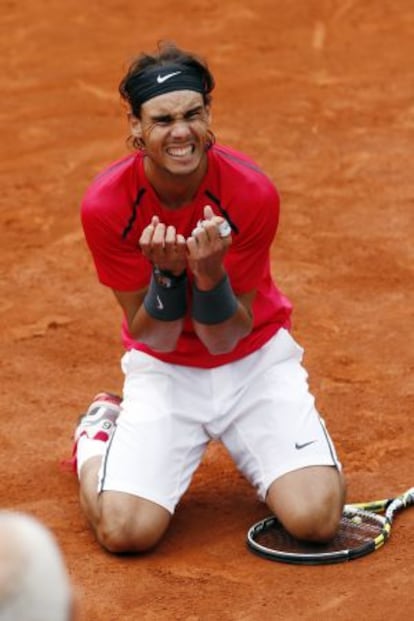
column 368, row 509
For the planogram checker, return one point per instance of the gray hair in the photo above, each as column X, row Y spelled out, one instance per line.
column 34, row 583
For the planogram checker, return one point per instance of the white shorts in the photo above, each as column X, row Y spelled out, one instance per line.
column 259, row 407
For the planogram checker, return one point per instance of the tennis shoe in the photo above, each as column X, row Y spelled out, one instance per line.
column 98, row 422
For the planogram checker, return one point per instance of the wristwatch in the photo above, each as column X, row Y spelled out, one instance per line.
column 166, row 279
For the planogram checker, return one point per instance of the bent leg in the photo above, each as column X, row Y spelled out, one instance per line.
column 130, row 492
column 281, row 444
column 122, row 522
column 308, row 501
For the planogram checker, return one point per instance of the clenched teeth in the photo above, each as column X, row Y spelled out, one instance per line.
column 180, row 151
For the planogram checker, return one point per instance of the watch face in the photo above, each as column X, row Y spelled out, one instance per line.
column 167, row 279
column 163, row 280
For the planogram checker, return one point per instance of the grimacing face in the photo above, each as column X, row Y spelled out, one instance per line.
column 174, row 129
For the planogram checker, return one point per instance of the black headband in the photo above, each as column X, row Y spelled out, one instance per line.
column 163, row 79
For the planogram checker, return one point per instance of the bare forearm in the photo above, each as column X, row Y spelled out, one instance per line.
column 159, row 335
column 223, row 337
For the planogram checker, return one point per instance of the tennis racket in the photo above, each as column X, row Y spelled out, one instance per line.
column 362, row 530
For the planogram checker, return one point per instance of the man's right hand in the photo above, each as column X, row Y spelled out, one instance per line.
column 163, row 247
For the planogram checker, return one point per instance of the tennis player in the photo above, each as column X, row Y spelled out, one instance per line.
column 181, row 230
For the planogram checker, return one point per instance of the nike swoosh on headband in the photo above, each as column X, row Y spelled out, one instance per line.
column 163, row 78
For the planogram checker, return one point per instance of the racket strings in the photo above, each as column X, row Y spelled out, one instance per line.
column 356, row 528
column 361, row 531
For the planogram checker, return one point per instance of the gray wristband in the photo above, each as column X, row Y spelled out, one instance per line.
column 214, row 306
column 166, row 303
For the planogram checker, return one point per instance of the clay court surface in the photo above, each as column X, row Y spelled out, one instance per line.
column 320, row 93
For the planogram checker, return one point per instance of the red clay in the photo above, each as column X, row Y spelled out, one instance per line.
column 320, row 93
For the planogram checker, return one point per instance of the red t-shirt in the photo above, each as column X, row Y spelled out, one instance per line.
column 120, row 204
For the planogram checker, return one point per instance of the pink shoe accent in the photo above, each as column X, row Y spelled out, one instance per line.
column 101, row 428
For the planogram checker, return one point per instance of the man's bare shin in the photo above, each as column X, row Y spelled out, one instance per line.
column 89, row 497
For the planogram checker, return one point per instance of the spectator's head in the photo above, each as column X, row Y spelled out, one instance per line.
column 34, row 583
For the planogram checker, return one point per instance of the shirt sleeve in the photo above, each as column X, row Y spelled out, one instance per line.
column 119, row 263
column 248, row 260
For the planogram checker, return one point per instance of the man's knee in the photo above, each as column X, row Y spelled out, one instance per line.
column 309, row 502
column 123, row 528
column 309, row 523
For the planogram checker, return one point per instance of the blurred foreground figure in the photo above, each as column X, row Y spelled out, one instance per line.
column 34, row 584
